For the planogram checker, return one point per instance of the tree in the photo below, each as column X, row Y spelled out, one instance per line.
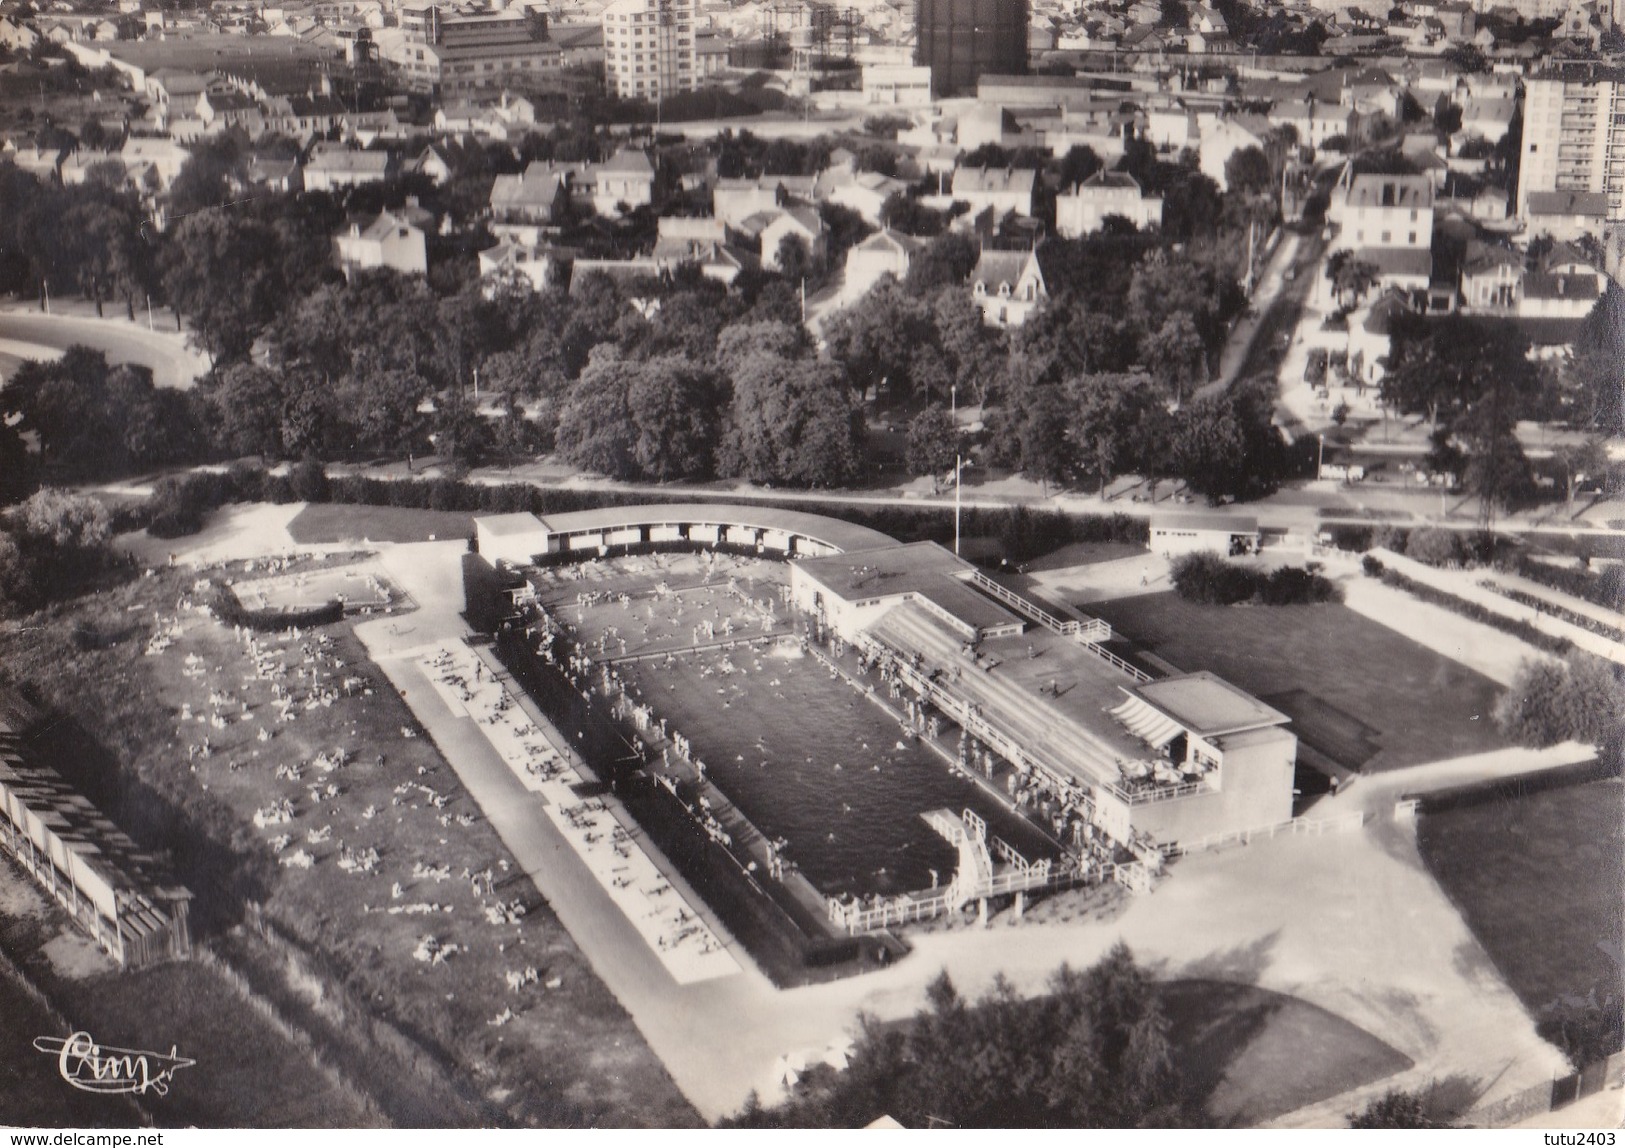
column 1394, row 1109
column 594, row 430
column 880, row 339
column 248, row 403
column 1247, row 172
column 1446, row 116
column 1351, row 278
column 933, row 442
column 1580, row 462
column 675, row 407
column 222, row 269
column 1047, row 450
column 1550, row 702
column 1090, row 1052
column 946, row 261
column 1226, row 446
column 793, row 421
column 1107, row 413
column 1175, row 355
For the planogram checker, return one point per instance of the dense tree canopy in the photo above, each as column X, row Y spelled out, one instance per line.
column 1092, row 1052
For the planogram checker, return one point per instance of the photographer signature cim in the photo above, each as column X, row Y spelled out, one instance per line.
column 92, row 1068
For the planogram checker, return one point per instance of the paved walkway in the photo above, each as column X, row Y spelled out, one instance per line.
column 1465, row 584
column 1375, row 793
column 1495, row 654
column 27, row 332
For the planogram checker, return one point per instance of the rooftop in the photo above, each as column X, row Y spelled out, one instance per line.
column 1208, row 705
column 834, row 532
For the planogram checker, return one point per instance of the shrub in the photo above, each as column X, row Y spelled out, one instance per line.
column 307, row 480
column 1206, row 577
column 1372, row 565
column 1514, row 626
column 1550, row 702
column 1436, row 547
column 1390, row 538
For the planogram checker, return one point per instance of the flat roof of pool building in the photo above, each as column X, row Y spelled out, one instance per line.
column 832, row 531
column 924, row 569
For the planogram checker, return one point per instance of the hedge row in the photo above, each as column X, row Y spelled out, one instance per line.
column 179, row 506
column 1518, row 629
column 1584, row 621
column 1606, row 589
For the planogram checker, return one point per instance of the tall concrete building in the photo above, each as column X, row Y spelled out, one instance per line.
column 1574, row 135
column 457, row 55
column 650, row 48
column 963, row 40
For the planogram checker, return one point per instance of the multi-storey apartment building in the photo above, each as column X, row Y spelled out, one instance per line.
column 650, row 48
column 1574, row 135
column 464, row 55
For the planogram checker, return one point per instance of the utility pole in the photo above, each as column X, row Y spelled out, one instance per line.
column 959, row 469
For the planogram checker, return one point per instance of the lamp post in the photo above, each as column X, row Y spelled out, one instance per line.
column 1320, row 456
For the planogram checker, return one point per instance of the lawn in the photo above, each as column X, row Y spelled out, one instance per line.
column 333, row 522
column 131, row 732
column 1537, row 876
column 1356, row 691
column 1248, row 1055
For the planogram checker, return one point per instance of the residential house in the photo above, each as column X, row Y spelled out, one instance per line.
column 803, row 223
column 1491, row 278
column 1106, row 193
column 1566, row 215
column 1565, row 285
column 273, row 173
column 885, row 252
column 17, row 36
column 230, row 109
column 306, row 117
column 1008, row 286
column 1222, row 138
column 76, row 166
column 332, row 166
column 1384, row 210
column 896, row 84
column 625, row 182
column 864, row 192
column 392, row 240
column 543, row 267
column 41, row 163
column 523, row 204
column 429, row 162
column 1315, row 122
column 166, row 158
column 1001, row 189
column 735, row 200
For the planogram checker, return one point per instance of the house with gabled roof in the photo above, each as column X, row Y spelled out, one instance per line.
column 1106, row 193
column 391, row 240
column 1008, row 286
column 625, row 180
column 886, row 252
column 1003, row 189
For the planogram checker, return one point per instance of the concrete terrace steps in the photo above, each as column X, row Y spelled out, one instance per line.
column 1027, row 720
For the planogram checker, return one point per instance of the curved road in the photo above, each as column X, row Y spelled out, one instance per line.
column 28, row 333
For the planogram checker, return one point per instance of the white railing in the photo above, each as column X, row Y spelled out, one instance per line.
column 1297, row 827
column 1132, row 671
column 1154, row 793
column 1094, row 630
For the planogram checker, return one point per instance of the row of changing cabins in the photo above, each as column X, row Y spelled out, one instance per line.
column 113, row 890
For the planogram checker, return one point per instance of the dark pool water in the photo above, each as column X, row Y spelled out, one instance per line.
column 808, row 758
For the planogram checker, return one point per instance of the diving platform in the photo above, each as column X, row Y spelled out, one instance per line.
column 986, row 869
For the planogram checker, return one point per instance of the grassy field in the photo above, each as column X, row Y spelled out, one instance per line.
column 131, row 733
column 1538, row 878
column 331, row 522
column 1363, row 695
column 1248, row 1055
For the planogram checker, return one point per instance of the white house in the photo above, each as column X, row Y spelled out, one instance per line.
column 1102, row 194
column 802, row 223
column 1008, row 286
column 1003, row 189
column 334, row 166
column 391, row 240
column 883, row 253
column 626, row 180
